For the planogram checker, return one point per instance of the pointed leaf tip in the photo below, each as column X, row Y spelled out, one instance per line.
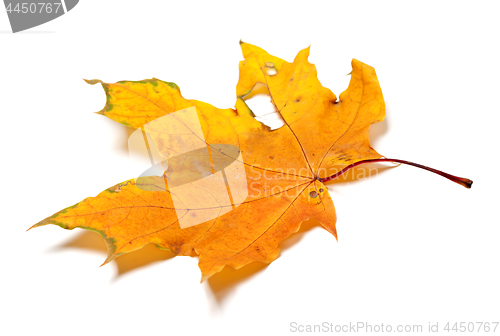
column 303, row 54
column 41, row 223
column 109, row 258
column 93, row 81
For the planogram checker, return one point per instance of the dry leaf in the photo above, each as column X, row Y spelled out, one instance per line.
column 278, row 173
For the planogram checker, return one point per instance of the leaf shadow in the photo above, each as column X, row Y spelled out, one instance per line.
column 122, row 144
column 377, row 131
column 222, row 284
column 89, row 240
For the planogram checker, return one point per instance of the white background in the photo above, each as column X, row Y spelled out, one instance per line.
column 413, row 247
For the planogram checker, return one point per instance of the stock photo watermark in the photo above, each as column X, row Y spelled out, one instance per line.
column 26, row 14
column 206, row 180
column 366, row 327
column 210, row 178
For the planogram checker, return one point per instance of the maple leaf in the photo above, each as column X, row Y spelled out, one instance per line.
column 281, row 172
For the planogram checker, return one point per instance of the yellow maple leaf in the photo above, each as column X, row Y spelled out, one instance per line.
column 276, row 176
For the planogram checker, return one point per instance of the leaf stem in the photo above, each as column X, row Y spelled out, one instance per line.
column 460, row 180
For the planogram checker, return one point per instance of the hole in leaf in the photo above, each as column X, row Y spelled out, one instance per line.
column 259, row 101
column 271, row 71
column 265, row 111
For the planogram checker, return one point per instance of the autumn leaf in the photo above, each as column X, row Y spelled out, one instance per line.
column 279, row 173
